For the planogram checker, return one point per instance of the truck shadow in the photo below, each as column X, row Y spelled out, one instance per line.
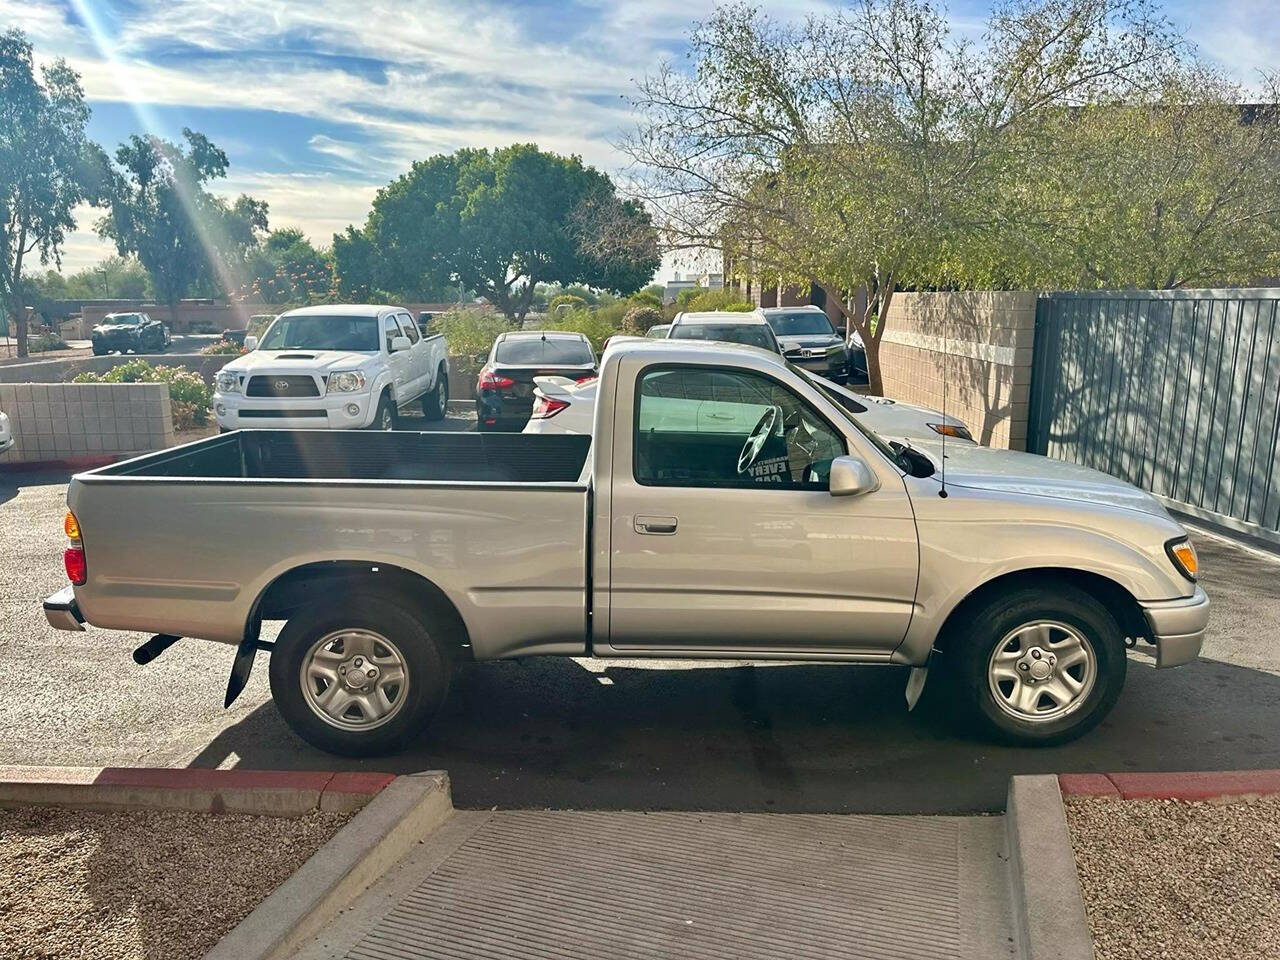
column 787, row 737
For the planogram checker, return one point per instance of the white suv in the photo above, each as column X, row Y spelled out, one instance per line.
column 334, row 367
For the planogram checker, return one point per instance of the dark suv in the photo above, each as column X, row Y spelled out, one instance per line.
column 129, row 331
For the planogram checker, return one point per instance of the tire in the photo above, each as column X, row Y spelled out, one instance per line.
column 1057, row 620
column 435, row 405
column 99, row 351
column 384, row 418
column 370, row 624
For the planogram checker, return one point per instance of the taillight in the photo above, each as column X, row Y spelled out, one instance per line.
column 546, row 407
column 492, row 381
column 73, row 557
column 588, row 379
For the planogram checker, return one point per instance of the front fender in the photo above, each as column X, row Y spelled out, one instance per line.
column 963, row 549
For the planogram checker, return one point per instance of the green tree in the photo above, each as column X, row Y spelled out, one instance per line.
column 868, row 148
column 162, row 213
column 502, row 222
column 286, row 268
column 47, row 167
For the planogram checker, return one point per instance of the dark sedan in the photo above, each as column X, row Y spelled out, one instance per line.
column 504, row 388
column 809, row 340
column 129, row 331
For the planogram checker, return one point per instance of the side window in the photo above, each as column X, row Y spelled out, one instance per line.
column 710, row 427
column 390, row 330
column 409, row 327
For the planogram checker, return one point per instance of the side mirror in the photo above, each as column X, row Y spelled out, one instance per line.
column 851, row 477
column 251, row 343
column 481, row 358
column 399, row 343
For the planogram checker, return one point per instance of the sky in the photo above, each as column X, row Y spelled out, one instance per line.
column 318, row 103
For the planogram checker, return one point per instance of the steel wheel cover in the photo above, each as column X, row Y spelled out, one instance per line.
column 1042, row 671
column 354, row 679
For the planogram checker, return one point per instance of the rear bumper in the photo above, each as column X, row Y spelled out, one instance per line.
column 62, row 611
column 1178, row 627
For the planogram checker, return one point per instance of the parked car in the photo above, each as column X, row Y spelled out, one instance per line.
column 129, row 331
column 658, row 331
column 725, row 326
column 504, row 386
column 771, row 525
column 6, row 432
column 808, row 339
column 561, row 405
column 337, row 368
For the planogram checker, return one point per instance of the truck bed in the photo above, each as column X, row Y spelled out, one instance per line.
column 352, row 455
column 186, row 540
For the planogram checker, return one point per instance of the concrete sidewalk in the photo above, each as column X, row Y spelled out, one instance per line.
column 568, row 885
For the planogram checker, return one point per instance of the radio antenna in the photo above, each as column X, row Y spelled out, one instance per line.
column 946, row 356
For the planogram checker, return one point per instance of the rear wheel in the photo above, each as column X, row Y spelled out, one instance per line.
column 436, row 403
column 1039, row 666
column 360, row 676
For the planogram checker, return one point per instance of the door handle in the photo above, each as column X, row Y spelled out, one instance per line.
column 656, row 525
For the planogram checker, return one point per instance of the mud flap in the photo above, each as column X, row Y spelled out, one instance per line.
column 242, row 665
column 915, row 685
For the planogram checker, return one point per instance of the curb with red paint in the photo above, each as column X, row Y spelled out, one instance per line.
column 1171, row 786
column 275, row 792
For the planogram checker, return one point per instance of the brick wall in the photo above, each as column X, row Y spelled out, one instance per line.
column 67, row 421
column 981, row 341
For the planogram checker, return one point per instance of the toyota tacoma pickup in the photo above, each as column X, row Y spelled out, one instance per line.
column 725, row 507
column 347, row 367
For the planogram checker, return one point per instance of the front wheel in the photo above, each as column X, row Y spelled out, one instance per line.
column 359, row 676
column 1039, row 666
column 436, row 403
column 384, row 417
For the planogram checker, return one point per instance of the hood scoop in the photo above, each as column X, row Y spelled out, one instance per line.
column 295, row 356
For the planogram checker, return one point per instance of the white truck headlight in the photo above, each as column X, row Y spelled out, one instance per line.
column 346, row 381
column 227, row 382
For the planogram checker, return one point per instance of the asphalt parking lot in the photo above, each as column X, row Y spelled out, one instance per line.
column 585, row 734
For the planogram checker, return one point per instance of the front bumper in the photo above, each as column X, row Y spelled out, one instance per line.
column 833, row 367
column 1178, row 627
column 62, row 611
column 235, row 411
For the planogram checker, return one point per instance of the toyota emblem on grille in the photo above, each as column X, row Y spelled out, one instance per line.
column 282, row 385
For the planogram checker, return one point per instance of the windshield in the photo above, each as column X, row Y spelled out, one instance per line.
column 311, row 332
column 751, row 334
column 840, row 403
column 537, row 351
column 802, row 323
column 123, row 318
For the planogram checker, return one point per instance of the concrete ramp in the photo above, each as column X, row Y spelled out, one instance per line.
column 567, row 885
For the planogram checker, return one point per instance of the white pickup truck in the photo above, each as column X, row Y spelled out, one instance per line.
column 724, row 507
column 334, row 367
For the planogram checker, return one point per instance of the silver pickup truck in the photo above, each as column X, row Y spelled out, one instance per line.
column 724, row 507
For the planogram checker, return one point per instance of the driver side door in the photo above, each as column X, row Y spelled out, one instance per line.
column 723, row 534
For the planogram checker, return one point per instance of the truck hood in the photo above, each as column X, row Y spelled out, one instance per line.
column 1010, row 471
column 300, row 361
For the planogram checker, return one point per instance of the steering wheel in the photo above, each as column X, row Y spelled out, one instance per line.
column 755, row 443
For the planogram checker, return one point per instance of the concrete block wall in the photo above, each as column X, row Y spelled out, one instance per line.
column 979, row 343
column 56, row 371
column 73, row 421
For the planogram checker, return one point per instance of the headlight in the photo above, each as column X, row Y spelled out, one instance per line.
column 227, row 382
column 957, row 430
column 1183, row 555
column 836, row 350
column 347, row 381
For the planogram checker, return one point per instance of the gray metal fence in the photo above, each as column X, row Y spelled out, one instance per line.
column 1177, row 392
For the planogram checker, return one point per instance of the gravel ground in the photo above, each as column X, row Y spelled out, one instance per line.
column 140, row 885
column 1166, row 879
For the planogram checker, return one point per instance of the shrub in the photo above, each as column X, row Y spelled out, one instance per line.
column 222, row 346
column 469, row 331
column 612, row 313
column 43, row 342
column 565, row 303
column 639, row 319
column 596, row 327
column 719, row 300
column 190, row 398
column 645, row 299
